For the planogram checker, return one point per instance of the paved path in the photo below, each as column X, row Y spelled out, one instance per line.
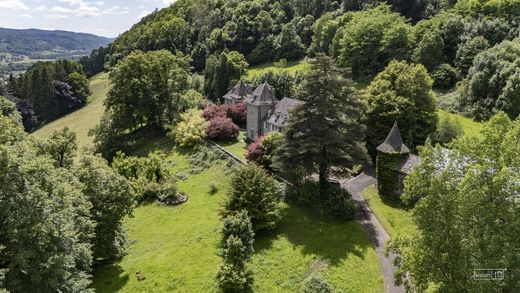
column 376, row 233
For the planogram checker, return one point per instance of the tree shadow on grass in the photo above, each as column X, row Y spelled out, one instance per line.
column 331, row 241
column 109, row 278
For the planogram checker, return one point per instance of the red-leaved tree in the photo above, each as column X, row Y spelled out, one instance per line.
column 223, row 129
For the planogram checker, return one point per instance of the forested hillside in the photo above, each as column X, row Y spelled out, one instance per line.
column 47, row 91
column 36, row 43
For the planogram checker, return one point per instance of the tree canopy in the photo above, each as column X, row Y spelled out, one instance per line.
column 402, row 93
column 467, row 216
column 326, row 131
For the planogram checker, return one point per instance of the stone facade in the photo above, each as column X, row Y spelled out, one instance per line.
column 394, row 163
column 264, row 112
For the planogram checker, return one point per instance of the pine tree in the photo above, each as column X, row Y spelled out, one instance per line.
column 326, row 131
column 236, row 249
column 253, row 190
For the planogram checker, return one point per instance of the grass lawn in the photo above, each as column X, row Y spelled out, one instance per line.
column 237, row 148
column 291, row 67
column 83, row 120
column 469, row 126
column 395, row 219
column 175, row 248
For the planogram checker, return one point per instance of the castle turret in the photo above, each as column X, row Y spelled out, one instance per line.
column 259, row 104
column 391, row 156
column 238, row 93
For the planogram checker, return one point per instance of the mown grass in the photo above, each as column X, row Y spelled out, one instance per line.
column 84, row 119
column 469, row 126
column 237, row 148
column 291, row 67
column 396, row 219
column 175, row 248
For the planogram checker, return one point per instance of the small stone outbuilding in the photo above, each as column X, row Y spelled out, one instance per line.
column 394, row 163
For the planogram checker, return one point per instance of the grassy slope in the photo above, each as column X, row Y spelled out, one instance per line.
column 176, row 248
column 84, row 119
column 292, row 67
column 237, row 148
column 396, row 220
column 470, row 127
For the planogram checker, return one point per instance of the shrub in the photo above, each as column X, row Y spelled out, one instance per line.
column 336, row 202
column 204, row 157
column 317, row 285
column 255, row 152
column 213, row 188
column 213, row 111
column 168, row 192
column 263, row 149
column 447, row 131
column 236, row 248
column 233, row 274
column 146, row 174
column 253, row 190
column 222, row 129
column 238, row 225
column 191, row 130
column 308, row 193
column 237, row 113
column 445, row 77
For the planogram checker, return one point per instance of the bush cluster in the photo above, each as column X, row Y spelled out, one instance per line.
column 335, row 202
column 236, row 248
column 149, row 176
column 253, row 190
column 224, row 121
column 263, row 149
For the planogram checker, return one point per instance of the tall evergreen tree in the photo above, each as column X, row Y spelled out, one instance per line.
column 325, row 132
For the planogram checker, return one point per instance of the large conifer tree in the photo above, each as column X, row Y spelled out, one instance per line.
column 326, row 131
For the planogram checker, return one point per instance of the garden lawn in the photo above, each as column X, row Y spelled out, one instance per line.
column 237, row 148
column 395, row 219
column 84, row 119
column 291, row 67
column 175, row 248
column 469, row 126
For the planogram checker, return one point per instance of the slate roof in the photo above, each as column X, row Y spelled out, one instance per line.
column 394, row 143
column 407, row 166
column 239, row 92
column 263, row 94
column 281, row 111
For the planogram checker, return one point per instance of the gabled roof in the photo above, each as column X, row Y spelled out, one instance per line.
column 394, row 143
column 263, row 94
column 281, row 111
column 239, row 91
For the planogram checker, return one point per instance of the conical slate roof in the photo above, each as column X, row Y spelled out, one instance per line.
column 264, row 93
column 239, row 91
column 394, row 143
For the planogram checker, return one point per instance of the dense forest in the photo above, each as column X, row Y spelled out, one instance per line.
column 47, row 91
column 468, row 49
column 452, row 39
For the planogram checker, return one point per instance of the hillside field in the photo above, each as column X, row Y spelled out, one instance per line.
column 86, row 118
column 176, row 248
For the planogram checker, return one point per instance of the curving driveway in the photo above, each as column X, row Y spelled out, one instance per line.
column 376, row 233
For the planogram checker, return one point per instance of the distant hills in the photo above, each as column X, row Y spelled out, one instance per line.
column 42, row 44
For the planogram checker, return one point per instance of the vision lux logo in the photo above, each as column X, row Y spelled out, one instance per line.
column 489, row 274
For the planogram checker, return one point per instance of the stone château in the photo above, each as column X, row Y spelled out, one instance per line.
column 265, row 113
